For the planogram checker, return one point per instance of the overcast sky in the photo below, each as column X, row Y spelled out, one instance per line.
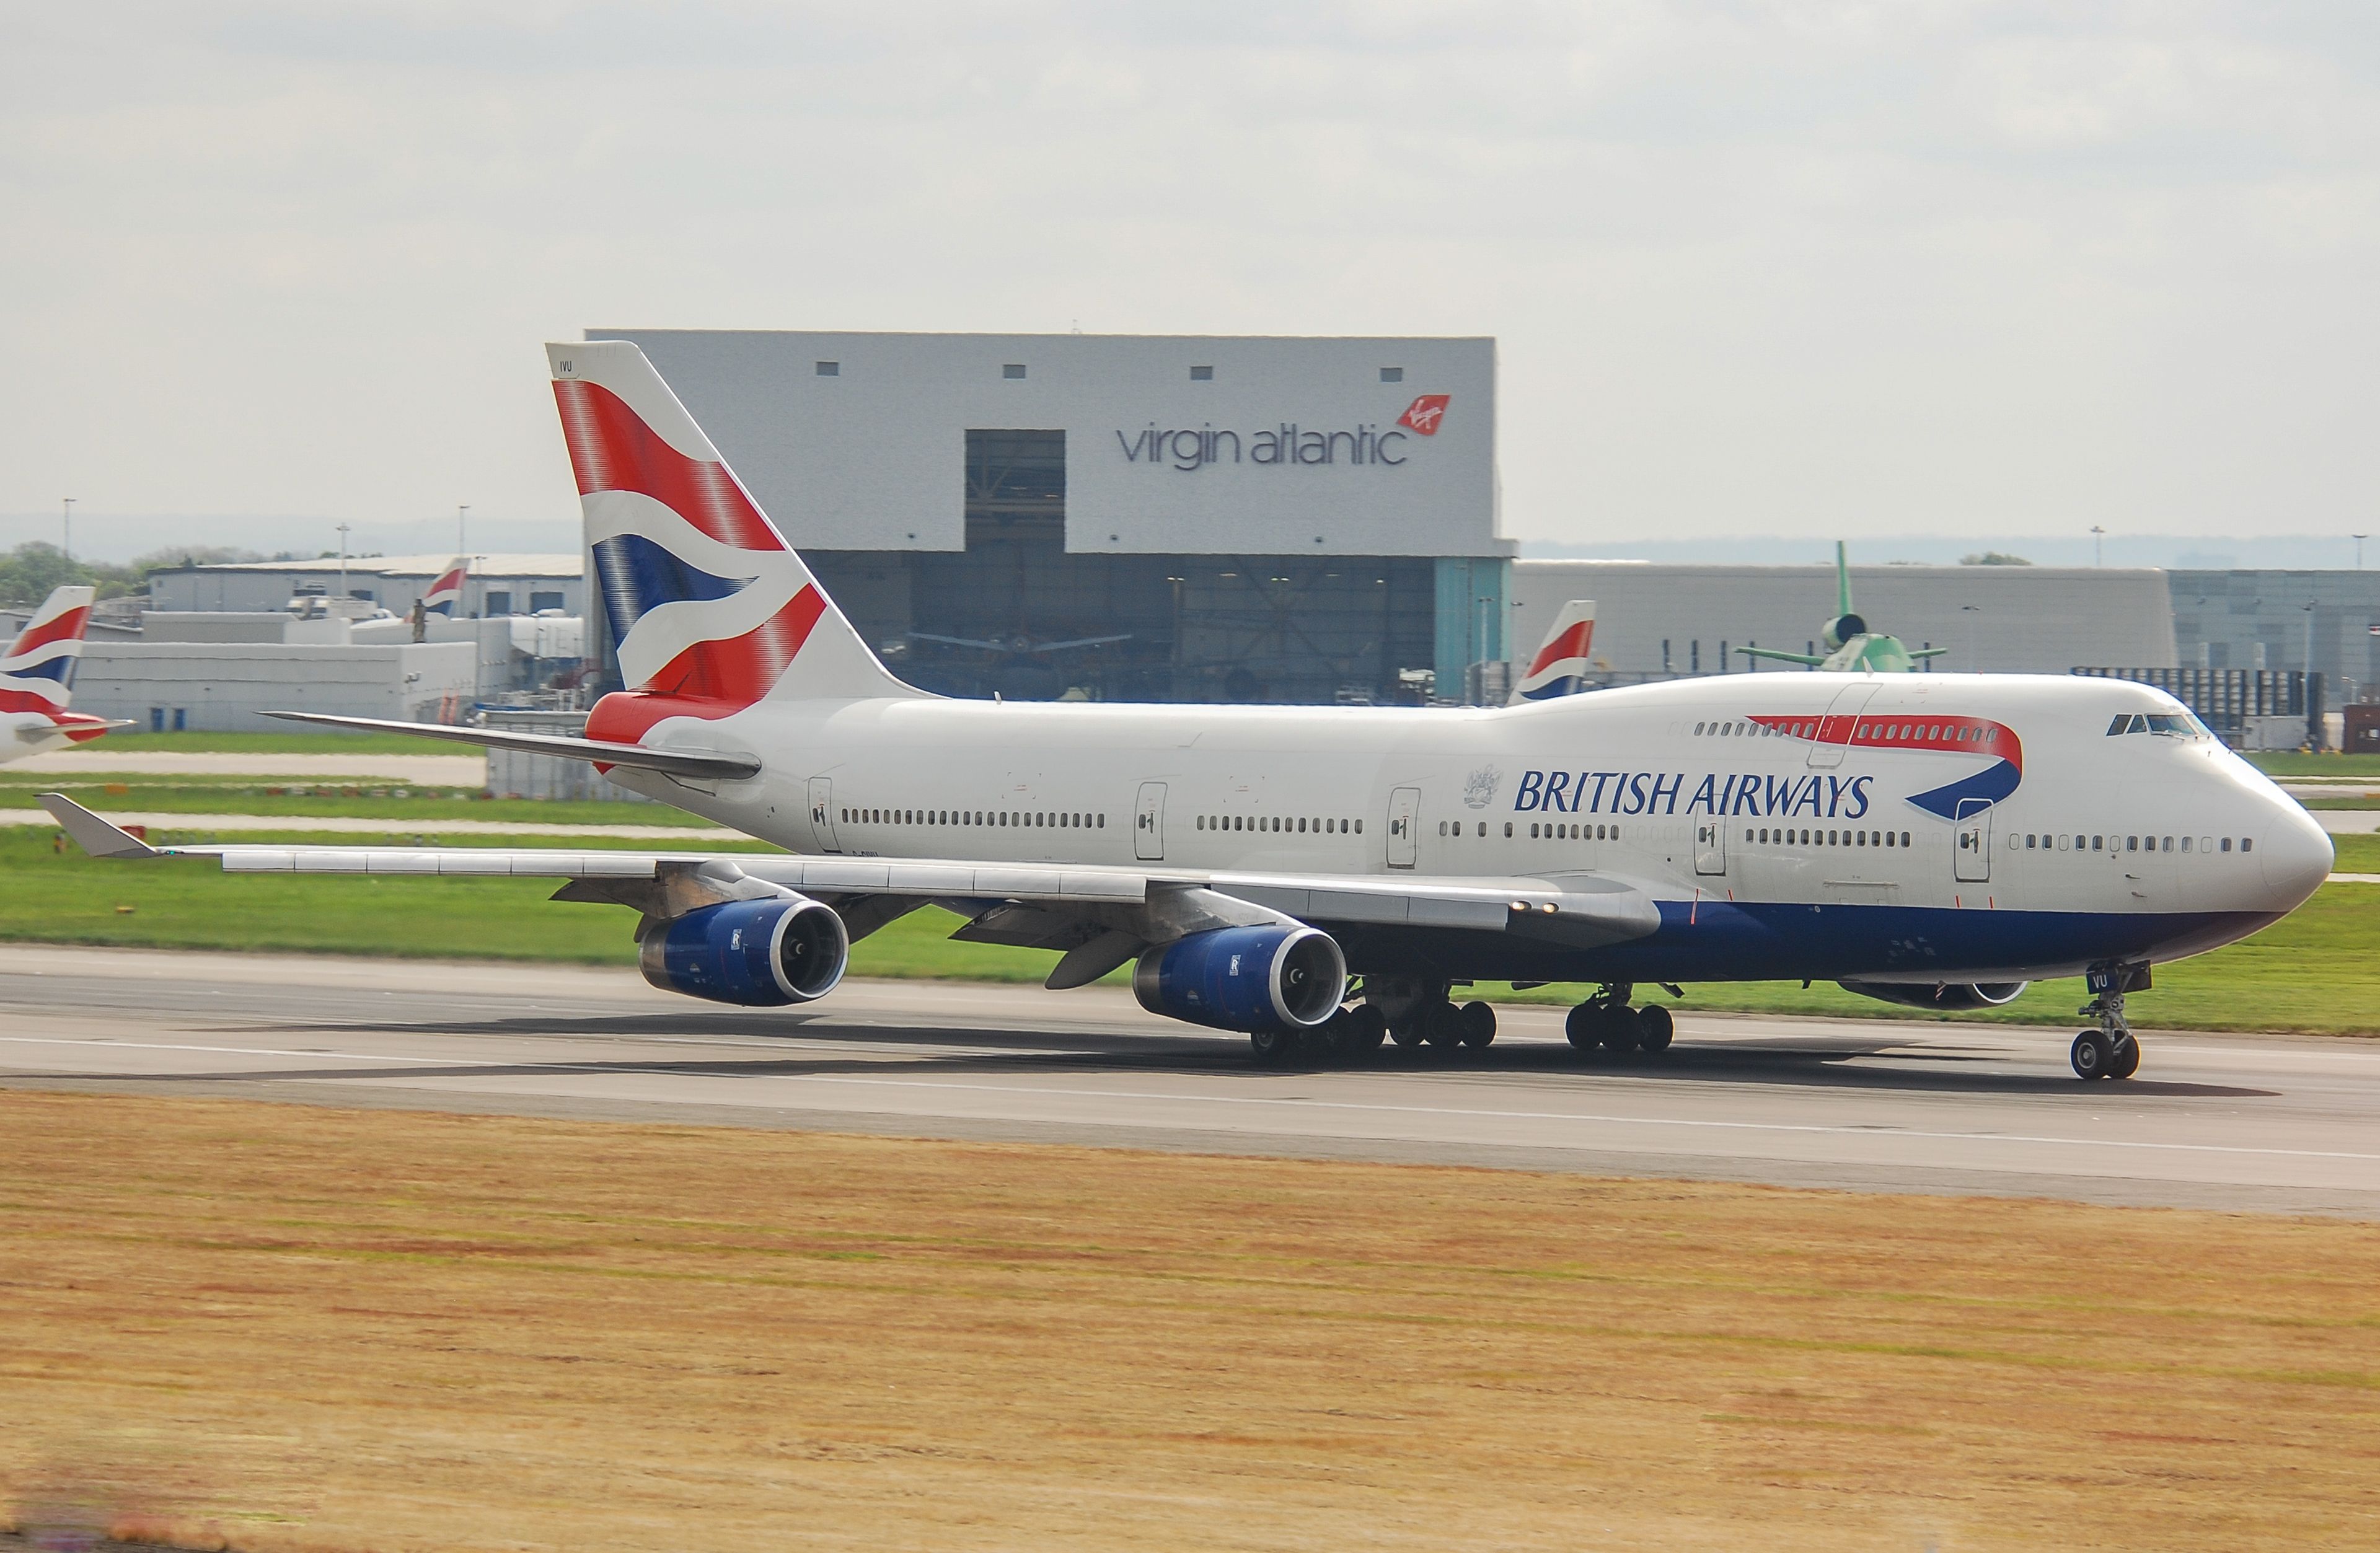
column 1811, row 268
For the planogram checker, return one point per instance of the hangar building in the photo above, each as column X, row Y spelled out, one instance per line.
column 1184, row 518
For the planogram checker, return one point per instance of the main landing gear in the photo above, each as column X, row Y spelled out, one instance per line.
column 2110, row 1051
column 1605, row 1022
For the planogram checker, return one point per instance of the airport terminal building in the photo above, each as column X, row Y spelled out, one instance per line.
column 1174, row 518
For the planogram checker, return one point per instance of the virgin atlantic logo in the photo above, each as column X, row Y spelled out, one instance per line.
column 1425, row 414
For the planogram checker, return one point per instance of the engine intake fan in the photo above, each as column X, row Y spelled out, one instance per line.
column 1251, row 979
column 782, row 948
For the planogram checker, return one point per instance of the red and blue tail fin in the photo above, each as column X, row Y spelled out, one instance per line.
column 1562, row 665
column 446, row 595
column 37, row 673
column 712, row 609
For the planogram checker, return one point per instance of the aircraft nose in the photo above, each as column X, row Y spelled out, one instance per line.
column 2297, row 855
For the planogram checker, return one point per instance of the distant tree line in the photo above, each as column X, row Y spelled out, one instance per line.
column 28, row 572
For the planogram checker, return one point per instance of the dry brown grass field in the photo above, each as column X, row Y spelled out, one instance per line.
column 285, row 1328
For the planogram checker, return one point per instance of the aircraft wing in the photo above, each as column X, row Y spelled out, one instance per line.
column 1811, row 659
column 33, row 730
column 958, row 642
column 1112, row 912
column 1929, row 653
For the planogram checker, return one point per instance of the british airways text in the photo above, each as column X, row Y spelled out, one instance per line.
column 1823, row 797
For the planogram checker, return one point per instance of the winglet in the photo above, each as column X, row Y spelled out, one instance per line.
column 90, row 832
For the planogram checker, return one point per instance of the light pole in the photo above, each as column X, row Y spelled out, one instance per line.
column 65, row 531
column 461, row 546
column 1974, row 664
column 2098, row 545
column 343, row 560
column 2358, row 540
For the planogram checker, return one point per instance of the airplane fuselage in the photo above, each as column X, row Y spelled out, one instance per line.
column 1959, row 828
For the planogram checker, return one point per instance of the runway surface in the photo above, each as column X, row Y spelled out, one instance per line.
column 2238, row 1121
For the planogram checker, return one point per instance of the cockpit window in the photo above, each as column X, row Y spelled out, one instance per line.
column 2180, row 725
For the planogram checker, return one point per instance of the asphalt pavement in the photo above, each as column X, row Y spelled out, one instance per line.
column 2251, row 1122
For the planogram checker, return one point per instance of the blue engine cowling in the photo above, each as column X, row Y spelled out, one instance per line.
column 1244, row 978
column 786, row 949
column 1943, row 995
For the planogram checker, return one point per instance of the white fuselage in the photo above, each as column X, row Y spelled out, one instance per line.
column 1772, row 854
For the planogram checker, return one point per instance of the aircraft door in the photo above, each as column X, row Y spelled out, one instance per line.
column 822, row 813
column 1710, row 847
column 1835, row 729
column 1149, row 823
column 1974, row 850
column 1404, row 824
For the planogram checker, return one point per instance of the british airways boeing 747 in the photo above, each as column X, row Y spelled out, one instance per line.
column 1322, row 879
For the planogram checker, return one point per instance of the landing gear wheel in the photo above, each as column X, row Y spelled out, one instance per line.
column 1442, row 1026
column 1364, row 1029
column 1623, row 1031
column 1273, row 1048
column 2090, row 1056
column 1408, row 1031
column 1581, row 1027
column 1479, row 1023
column 1653, row 1029
column 2126, row 1059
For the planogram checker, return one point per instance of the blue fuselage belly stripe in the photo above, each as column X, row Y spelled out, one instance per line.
column 1718, row 940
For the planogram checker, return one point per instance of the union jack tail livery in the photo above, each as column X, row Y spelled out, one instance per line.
column 712, row 609
column 1560, row 666
column 446, row 595
column 37, row 677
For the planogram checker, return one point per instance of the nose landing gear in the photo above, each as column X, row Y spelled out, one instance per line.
column 2110, row 1051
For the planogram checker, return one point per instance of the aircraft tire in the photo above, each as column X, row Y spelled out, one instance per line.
column 1364, row 1029
column 1273, row 1048
column 1655, row 1030
column 2090, row 1056
column 1622, row 1031
column 1580, row 1027
column 2127, row 1059
column 1442, row 1026
column 1478, row 1024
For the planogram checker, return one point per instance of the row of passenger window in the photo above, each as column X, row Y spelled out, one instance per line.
column 1283, row 823
column 1578, row 833
column 1763, row 835
column 2032, row 841
column 987, row 819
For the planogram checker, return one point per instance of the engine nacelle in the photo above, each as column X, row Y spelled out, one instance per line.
column 1944, row 996
column 782, row 948
column 1840, row 629
column 1245, row 978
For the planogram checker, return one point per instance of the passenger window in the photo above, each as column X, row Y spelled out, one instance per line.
column 2247, row 843
column 2227, row 844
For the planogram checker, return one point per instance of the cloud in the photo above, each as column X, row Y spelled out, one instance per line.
column 1826, row 268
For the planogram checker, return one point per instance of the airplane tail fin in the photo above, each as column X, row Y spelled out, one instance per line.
column 712, row 609
column 446, row 595
column 1842, row 579
column 37, row 672
column 1562, row 665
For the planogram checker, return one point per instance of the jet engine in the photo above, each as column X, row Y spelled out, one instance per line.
column 781, row 948
column 1840, row 629
column 1944, row 996
column 1252, row 980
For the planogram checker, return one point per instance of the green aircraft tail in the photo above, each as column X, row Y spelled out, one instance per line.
column 1842, row 580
